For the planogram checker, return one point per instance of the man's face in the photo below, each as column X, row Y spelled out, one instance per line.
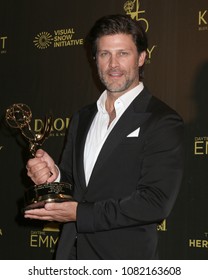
column 118, row 62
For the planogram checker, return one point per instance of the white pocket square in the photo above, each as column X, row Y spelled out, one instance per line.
column 135, row 133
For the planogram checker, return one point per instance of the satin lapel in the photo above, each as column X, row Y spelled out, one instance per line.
column 85, row 119
column 133, row 118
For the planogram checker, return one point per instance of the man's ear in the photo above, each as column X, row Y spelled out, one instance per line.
column 142, row 58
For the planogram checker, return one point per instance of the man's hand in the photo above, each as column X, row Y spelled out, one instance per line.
column 42, row 168
column 61, row 212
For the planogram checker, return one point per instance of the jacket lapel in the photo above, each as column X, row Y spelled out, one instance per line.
column 85, row 121
column 133, row 118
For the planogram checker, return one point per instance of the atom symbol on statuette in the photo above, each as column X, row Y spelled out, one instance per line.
column 18, row 115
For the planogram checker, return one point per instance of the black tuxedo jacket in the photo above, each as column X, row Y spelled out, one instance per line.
column 133, row 186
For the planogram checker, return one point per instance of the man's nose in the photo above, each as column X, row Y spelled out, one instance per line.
column 114, row 62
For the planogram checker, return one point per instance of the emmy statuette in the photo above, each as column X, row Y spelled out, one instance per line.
column 19, row 116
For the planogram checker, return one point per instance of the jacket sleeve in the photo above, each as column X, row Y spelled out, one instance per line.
column 158, row 185
column 66, row 164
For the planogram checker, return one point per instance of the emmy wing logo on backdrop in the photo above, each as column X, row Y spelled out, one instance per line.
column 19, row 116
column 58, row 38
column 132, row 8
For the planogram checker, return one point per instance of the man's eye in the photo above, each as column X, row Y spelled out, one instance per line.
column 123, row 53
column 103, row 54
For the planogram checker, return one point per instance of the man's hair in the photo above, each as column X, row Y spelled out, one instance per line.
column 117, row 24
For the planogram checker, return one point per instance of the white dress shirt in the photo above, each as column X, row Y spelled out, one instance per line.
column 100, row 127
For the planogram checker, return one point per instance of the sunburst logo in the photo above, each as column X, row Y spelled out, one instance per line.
column 43, row 40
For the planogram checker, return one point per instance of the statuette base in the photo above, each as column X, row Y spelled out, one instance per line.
column 37, row 196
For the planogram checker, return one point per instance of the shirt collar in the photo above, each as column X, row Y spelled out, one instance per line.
column 124, row 99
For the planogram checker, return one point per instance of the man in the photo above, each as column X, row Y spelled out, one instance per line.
column 123, row 155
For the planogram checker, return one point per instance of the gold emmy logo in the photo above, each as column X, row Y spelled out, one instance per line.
column 132, row 8
column 43, row 40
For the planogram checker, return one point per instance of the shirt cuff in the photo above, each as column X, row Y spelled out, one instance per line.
column 85, row 217
column 58, row 179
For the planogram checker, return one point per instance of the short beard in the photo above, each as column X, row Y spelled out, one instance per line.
column 117, row 89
